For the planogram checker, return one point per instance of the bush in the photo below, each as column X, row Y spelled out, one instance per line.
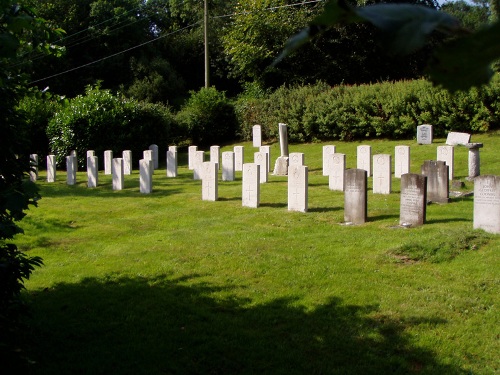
column 101, row 121
column 208, row 117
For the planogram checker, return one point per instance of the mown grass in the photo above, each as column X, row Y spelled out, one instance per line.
column 169, row 284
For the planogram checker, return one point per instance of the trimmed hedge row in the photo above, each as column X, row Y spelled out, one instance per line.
column 387, row 110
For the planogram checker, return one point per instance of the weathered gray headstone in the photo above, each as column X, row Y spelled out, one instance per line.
column 239, row 157
column 474, row 160
column 267, row 150
column 438, row 184
column 154, row 149
column 355, row 196
column 327, row 151
column 117, row 172
column 297, row 187
column 364, row 159
column 257, row 136
column 413, row 203
column 228, row 166
column 127, row 162
column 215, row 155
column 447, row 154
column 424, row 134
column 172, row 161
column 260, row 158
column 382, row 181
column 51, row 168
column 456, row 138
column 33, row 167
column 337, row 170
column 70, row 170
column 146, row 176
column 487, row 203
column 251, row 185
column 108, row 157
column 401, row 161
column 191, row 152
column 283, row 132
column 209, row 181
column 281, row 166
column 198, row 160
column 296, row 158
column 92, row 171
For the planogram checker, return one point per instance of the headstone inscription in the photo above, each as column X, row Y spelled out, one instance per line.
column 413, row 202
column 215, row 155
column 239, row 157
column 70, row 170
column 145, row 176
column 355, row 196
column 487, row 203
column 447, row 154
column 92, row 171
column 127, row 162
column 382, row 181
column 108, row 157
column 260, row 158
column 401, row 160
column 118, row 175
column 191, row 152
column 51, row 168
column 257, row 136
column 456, row 138
column 437, row 181
column 251, row 185
column 33, row 167
column 424, row 134
column 327, row 151
column 296, row 158
column 228, row 166
column 172, row 161
column 209, row 181
column 297, row 188
column 337, row 170
column 154, row 150
column 198, row 160
column 364, row 158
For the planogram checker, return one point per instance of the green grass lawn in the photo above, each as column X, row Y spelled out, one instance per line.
column 169, row 284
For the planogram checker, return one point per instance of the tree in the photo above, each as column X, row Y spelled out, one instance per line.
column 471, row 15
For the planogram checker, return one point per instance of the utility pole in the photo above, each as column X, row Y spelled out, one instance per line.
column 207, row 62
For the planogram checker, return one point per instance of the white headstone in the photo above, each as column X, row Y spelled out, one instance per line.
column 215, row 155
column 146, row 176
column 191, row 151
column 251, row 185
column 239, row 157
column 90, row 153
column 127, row 162
column 487, row 203
column 401, row 161
column 327, row 150
column 75, row 159
column 382, row 181
column 228, row 166
column 92, row 171
column 33, row 167
column 364, row 159
column 355, row 196
column 297, row 188
column 260, row 158
column 51, row 168
column 267, row 150
column 257, row 136
column 154, row 149
column 209, row 181
column 70, row 169
column 424, row 134
column 198, row 160
column 447, row 154
column 296, row 158
column 108, row 157
column 456, row 138
column 337, row 170
column 172, row 161
column 118, row 175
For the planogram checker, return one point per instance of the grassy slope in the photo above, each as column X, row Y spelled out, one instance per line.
column 166, row 283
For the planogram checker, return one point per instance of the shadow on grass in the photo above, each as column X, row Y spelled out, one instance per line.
column 183, row 326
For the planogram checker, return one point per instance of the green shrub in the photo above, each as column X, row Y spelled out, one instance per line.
column 208, row 117
column 102, row 121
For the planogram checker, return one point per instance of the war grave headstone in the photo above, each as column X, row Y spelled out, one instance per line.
column 90, row 153
column 75, row 159
column 215, row 155
column 251, row 185
column 447, row 154
column 92, row 170
column 457, row 138
column 413, row 202
column 487, row 203
column 70, row 170
column 228, row 166
column 437, row 180
column 118, row 180
column 257, row 136
column 209, row 181
column 401, row 160
column 337, row 170
column 424, row 134
column 382, row 181
column 145, row 176
column 281, row 164
column 267, row 150
column 198, row 160
column 154, row 150
column 296, row 158
column 327, row 151
column 474, row 160
column 33, row 167
column 172, row 161
column 51, row 168
column 364, row 158
column 148, row 155
column 108, row 157
column 260, row 158
column 191, row 152
column 127, row 162
column 297, row 187
column 239, row 157
column 355, row 196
